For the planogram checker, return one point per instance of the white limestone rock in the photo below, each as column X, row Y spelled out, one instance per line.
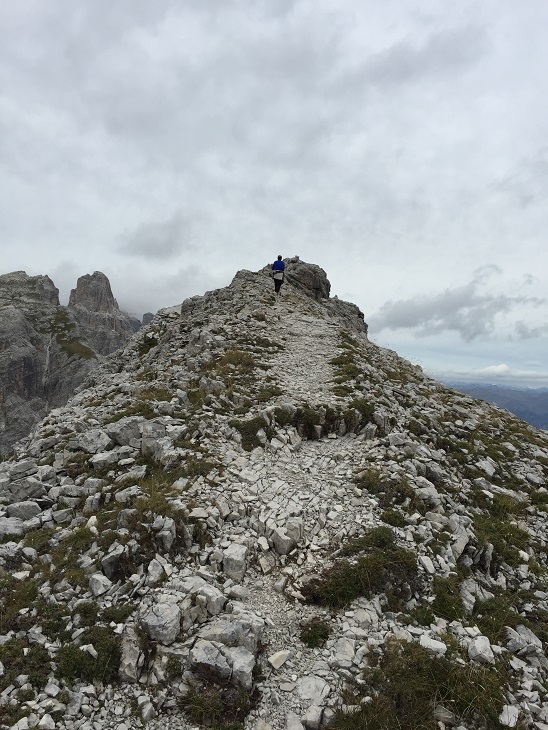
column 99, row 584
column 509, row 716
column 313, row 689
column 161, row 622
column 438, row 647
column 283, row 543
column 132, row 659
column 235, row 561
column 206, row 659
column 480, row 650
column 279, row 658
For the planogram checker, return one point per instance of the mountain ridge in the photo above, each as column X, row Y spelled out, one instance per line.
column 259, row 506
column 529, row 404
column 47, row 349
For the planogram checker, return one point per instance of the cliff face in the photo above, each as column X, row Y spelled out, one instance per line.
column 100, row 321
column 46, row 350
column 254, row 517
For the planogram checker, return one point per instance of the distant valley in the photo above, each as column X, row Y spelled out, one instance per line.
column 529, row 404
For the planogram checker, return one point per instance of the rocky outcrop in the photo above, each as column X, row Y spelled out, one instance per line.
column 309, row 278
column 254, row 515
column 47, row 350
column 312, row 280
column 101, row 323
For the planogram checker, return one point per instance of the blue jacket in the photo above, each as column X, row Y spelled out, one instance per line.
column 278, row 265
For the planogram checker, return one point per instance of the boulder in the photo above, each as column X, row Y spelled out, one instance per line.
column 234, row 561
column 23, row 510
column 207, row 660
column 480, row 650
column 162, row 622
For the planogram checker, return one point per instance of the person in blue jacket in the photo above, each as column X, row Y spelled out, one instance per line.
column 278, row 267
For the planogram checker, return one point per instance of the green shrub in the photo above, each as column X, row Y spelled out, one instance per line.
column 146, row 344
column 248, row 431
column 88, row 612
column 506, row 538
column 447, row 602
column 74, row 664
column 421, row 614
column 53, row 618
column 268, row 392
column 20, row 658
column 221, row 707
column 314, row 633
column 378, row 537
column 118, row 614
column 393, row 517
column 382, row 567
column 365, row 408
column 410, row 682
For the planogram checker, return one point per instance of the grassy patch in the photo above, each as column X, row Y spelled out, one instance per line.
column 14, row 595
column 248, row 430
column 540, row 500
column 388, row 493
column 74, row 664
column 447, row 602
column 20, row 658
column 381, row 567
column 139, row 408
column 506, row 538
column 218, row 706
column 410, row 682
column 77, row 465
column 314, row 633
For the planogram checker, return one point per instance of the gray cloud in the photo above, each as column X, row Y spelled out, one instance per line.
column 441, row 54
column 528, row 182
column 161, row 240
column 525, row 332
column 139, row 292
column 466, row 310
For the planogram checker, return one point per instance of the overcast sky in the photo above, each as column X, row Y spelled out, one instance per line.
column 402, row 145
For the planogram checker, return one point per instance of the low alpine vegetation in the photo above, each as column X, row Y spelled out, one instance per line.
column 380, row 566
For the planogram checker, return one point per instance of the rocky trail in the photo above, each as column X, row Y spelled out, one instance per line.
column 253, row 517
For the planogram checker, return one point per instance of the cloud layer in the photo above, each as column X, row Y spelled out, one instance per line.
column 401, row 145
column 468, row 310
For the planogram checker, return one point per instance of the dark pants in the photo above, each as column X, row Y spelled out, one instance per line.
column 277, row 285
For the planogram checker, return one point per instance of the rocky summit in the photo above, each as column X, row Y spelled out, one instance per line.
column 46, row 350
column 254, row 517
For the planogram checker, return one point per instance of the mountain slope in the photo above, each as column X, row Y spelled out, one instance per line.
column 253, row 515
column 529, row 404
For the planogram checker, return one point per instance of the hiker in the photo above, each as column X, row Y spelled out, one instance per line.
column 278, row 267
